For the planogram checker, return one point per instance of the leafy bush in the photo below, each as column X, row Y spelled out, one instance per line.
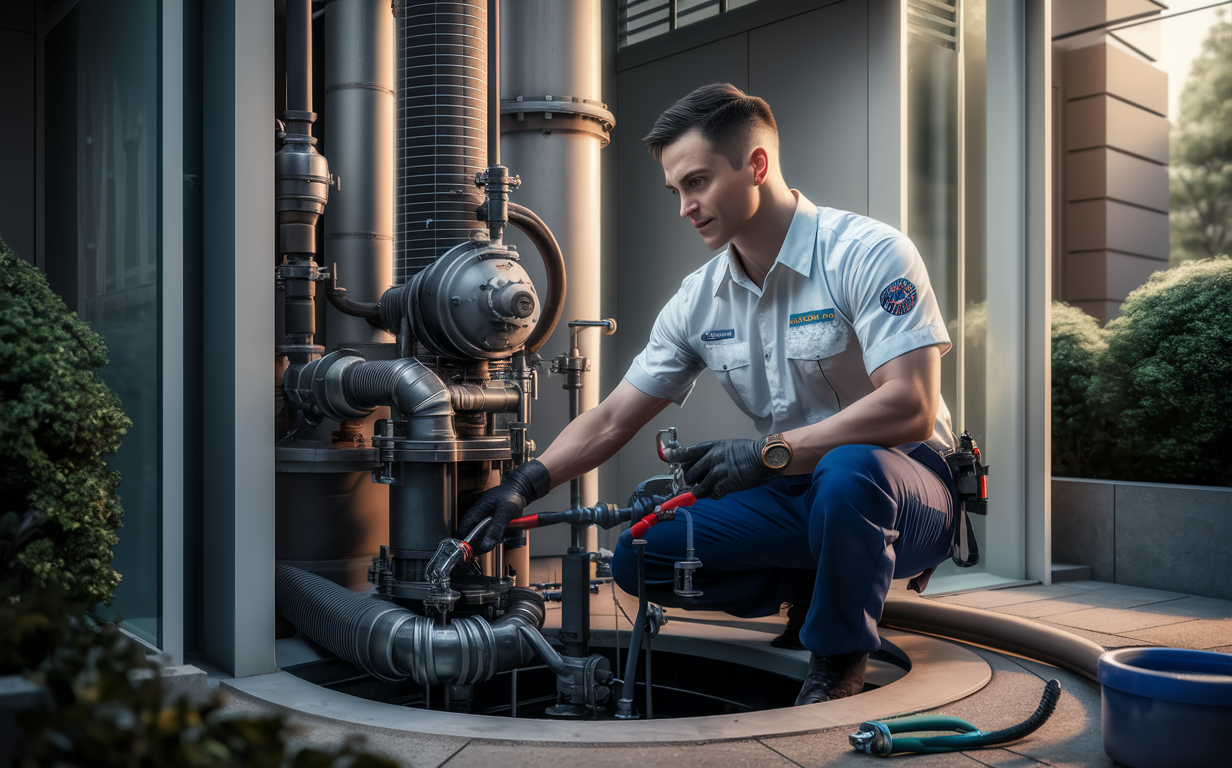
column 104, row 698
column 58, row 424
column 1166, row 378
column 1077, row 343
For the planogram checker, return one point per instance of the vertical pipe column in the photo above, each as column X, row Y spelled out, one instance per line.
column 359, row 104
column 559, row 167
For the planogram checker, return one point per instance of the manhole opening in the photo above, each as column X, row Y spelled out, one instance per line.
column 684, row 686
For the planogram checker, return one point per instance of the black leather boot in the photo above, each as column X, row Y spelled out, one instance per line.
column 790, row 639
column 833, row 677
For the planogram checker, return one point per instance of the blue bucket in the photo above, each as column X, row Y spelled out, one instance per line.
column 1165, row 706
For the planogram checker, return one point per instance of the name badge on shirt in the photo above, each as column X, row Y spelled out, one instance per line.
column 719, row 335
column 816, row 316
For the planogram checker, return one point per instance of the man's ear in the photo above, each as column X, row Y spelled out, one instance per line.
column 759, row 163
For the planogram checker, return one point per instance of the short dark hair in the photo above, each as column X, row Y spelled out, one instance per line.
column 724, row 115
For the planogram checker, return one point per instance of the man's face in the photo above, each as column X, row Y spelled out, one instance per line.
column 717, row 200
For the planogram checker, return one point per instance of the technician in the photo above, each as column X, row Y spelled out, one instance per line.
column 822, row 326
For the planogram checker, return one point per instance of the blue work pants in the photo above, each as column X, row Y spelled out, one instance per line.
column 866, row 515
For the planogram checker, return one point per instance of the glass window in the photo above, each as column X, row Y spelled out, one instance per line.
column 102, row 248
column 946, row 57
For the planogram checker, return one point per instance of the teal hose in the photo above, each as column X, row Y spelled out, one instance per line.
column 876, row 738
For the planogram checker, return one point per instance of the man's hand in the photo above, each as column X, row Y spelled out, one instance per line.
column 506, row 501
column 719, row 467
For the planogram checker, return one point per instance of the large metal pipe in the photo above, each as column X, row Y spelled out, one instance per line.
column 359, row 103
column 558, row 160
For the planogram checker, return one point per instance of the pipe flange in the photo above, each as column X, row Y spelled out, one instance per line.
column 328, row 391
column 574, row 105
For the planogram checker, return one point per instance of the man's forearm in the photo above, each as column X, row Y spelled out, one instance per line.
column 587, row 442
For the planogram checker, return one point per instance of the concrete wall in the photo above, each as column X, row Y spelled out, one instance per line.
column 1113, row 184
column 1172, row 537
column 813, row 70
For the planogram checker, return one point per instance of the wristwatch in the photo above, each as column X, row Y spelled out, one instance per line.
column 776, row 453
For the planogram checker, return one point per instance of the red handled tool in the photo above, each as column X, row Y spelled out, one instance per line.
column 641, row 526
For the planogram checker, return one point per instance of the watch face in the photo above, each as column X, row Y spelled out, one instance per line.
column 777, row 456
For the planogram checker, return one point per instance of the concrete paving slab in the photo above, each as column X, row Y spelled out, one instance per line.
column 1002, row 758
column 409, row 749
column 1113, row 621
column 1221, row 649
column 998, row 597
column 1072, row 737
column 1193, row 608
column 1100, row 638
column 738, row 754
column 1010, row 697
column 1090, row 585
column 1199, row 633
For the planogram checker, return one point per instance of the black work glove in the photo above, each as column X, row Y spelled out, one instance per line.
column 719, row 467
column 519, row 487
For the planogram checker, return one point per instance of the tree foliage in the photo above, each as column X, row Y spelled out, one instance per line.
column 1077, row 343
column 1165, row 377
column 102, row 695
column 58, row 424
column 1200, row 175
column 1148, row 398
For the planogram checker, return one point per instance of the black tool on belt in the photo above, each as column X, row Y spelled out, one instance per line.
column 971, row 481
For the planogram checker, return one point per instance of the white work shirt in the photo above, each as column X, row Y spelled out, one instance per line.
column 845, row 295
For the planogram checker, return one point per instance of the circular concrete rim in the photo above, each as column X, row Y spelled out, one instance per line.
column 940, row 672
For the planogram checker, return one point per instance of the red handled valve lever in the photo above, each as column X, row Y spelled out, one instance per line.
column 662, row 512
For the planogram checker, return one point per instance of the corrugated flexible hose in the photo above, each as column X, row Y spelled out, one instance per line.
column 392, row 643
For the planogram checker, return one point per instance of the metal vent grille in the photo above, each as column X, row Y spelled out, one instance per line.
column 934, row 22
column 441, row 126
column 643, row 19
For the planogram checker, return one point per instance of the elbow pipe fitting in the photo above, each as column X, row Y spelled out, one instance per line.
column 343, row 386
column 392, row 643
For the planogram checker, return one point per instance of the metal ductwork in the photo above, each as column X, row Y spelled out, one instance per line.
column 442, row 118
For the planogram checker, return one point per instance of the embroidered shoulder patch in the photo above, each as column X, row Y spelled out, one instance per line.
column 898, row 298
column 816, row 316
column 719, row 335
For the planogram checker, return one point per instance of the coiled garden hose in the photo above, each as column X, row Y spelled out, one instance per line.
column 878, row 738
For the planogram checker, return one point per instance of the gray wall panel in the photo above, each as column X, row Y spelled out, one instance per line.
column 17, row 142
column 813, row 69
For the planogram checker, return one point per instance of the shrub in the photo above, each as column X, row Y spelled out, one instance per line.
column 1077, row 432
column 1164, row 380
column 58, row 424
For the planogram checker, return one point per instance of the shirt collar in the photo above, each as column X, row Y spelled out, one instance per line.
column 795, row 254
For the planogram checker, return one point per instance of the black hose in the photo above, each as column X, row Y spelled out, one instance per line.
column 624, row 707
column 553, row 261
column 370, row 311
column 1052, row 692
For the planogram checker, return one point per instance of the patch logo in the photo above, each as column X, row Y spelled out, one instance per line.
column 899, row 297
column 729, row 333
column 816, row 316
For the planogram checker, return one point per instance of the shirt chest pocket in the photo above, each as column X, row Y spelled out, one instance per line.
column 730, row 363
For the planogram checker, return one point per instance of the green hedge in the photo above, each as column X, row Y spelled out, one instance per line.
column 58, row 424
column 1149, row 398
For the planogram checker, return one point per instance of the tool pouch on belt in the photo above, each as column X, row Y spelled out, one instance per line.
column 971, row 481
